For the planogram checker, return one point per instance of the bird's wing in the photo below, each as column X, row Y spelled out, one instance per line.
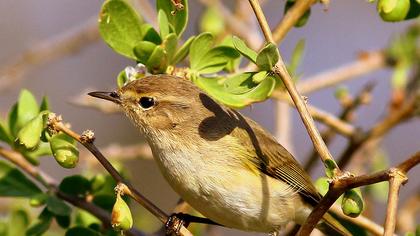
column 273, row 159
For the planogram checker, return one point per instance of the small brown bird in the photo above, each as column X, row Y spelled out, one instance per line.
column 222, row 163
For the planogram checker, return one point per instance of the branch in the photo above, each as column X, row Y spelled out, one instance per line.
column 339, row 185
column 280, row 70
column 49, row 50
column 87, row 140
column 49, row 183
column 290, row 19
column 346, row 115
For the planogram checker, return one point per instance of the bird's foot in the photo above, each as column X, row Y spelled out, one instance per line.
column 175, row 222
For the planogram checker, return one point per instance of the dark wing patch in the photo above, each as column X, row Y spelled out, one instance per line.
column 274, row 160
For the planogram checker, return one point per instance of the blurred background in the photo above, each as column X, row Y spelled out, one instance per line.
column 333, row 37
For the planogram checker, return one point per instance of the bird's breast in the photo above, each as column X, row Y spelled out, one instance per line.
column 224, row 191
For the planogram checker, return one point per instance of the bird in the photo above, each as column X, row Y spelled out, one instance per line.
column 222, row 163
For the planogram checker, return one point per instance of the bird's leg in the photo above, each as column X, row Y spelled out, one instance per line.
column 177, row 220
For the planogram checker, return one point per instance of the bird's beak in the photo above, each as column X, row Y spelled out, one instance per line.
column 110, row 96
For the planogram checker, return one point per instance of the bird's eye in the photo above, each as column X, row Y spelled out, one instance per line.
column 146, row 102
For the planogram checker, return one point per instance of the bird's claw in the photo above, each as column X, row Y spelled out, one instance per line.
column 174, row 224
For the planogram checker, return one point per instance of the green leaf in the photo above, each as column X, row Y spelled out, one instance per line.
column 63, row 221
column 170, row 44
column 150, row 34
column 260, row 76
column 157, row 61
column 240, row 83
column 233, row 64
column 76, row 185
column 216, row 59
column 121, row 79
column 19, row 221
column 120, row 26
column 45, row 106
column 105, row 201
column 64, row 150
column 330, row 167
column 13, row 119
column 43, row 149
column 199, row 47
column 244, row 49
column 182, row 51
column 143, row 50
column 97, row 182
column 268, row 57
column 57, row 206
column 177, row 18
column 84, row 218
column 78, row 231
column 38, row 200
column 215, row 88
column 352, row 203
column 163, row 24
column 40, row 226
column 4, row 134
column 29, row 135
column 4, row 227
column 296, row 58
column 25, row 110
column 15, row 184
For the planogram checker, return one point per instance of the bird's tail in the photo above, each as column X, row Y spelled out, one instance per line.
column 330, row 226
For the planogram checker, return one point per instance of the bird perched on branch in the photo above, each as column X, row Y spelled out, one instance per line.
column 225, row 165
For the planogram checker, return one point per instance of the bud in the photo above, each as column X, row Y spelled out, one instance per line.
column 393, row 10
column 121, row 218
column 29, row 134
column 64, row 151
column 322, row 185
column 352, row 203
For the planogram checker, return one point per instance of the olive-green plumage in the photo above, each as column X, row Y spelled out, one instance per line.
column 222, row 163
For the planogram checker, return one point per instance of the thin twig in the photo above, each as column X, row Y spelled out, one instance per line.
column 86, row 139
column 49, row 50
column 280, row 70
column 345, row 115
column 262, row 20
column 290, row 18
column 391, row 211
